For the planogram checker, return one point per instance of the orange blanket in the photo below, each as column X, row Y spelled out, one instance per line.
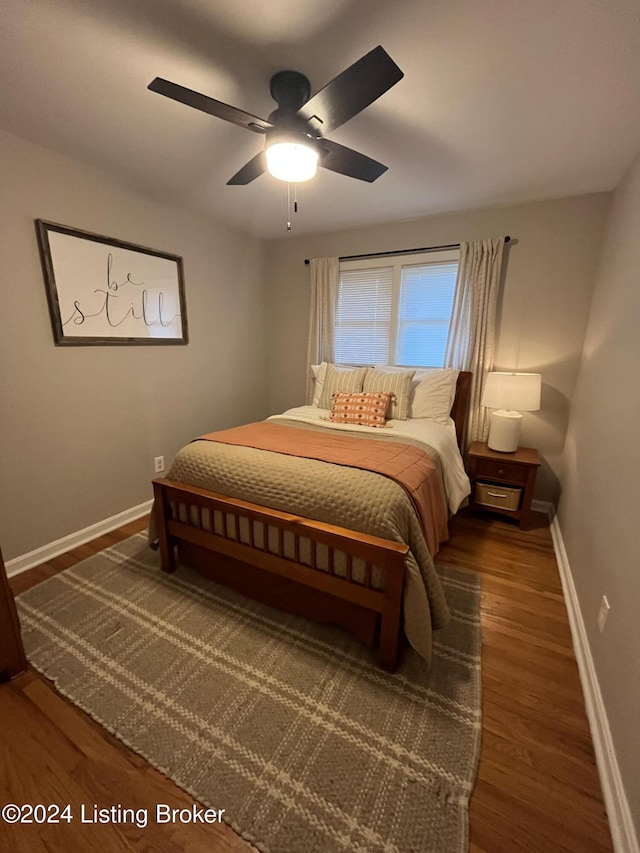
column 409, row 466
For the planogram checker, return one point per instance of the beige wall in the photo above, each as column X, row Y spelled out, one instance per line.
column 80, row 425
column 598, row 512
column 548, row 283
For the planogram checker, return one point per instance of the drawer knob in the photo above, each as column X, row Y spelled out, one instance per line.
column 500, row 472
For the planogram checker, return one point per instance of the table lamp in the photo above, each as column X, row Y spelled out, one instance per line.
column 509, row 394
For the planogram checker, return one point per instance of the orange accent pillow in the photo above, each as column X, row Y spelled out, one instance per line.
column 364, row 409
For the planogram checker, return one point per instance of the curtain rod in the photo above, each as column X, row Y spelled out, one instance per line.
column 400, row 252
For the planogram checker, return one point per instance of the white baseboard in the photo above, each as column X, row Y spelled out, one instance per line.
column 544, row 506
column 623, row 833
column 54, row 549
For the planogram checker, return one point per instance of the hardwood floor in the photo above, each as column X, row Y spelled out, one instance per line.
column 537, row 788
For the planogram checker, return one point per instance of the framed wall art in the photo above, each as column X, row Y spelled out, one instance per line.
column 106, row 291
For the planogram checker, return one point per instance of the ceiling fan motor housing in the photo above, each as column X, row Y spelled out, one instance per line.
column 290, row 90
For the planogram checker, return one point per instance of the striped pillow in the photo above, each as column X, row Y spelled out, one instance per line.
column 362, row 409
column 398, row 384
column 340, row 380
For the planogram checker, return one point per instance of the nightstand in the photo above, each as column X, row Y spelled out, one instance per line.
column 503, row 482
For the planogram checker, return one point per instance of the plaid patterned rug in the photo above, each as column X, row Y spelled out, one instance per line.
column 287, row 725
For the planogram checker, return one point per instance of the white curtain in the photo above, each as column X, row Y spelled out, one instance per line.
column 325, row 274
column 472, row 333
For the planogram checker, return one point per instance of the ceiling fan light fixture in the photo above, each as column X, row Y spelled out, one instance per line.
column 294, row 162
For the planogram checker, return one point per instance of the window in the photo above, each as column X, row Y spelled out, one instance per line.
column 395, row 310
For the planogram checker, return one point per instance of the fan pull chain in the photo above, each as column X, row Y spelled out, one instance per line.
column 295, row 203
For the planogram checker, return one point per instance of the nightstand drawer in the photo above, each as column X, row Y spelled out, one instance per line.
column 501, row 470
column 500, row 497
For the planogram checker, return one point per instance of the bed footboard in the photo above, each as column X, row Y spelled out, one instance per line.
column 359, row 570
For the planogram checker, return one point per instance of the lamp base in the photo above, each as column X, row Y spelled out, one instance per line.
column 504, row 431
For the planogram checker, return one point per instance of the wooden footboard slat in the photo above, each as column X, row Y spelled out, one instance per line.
column 349, row 567
column 280, row 542
column 332, row 561
column 385, row 555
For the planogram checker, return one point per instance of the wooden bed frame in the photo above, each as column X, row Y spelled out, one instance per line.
column 262, row 568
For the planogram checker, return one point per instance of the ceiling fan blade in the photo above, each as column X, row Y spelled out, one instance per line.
column 348, row 162
column 250, row 171
column 353, row 90
column 208, row 105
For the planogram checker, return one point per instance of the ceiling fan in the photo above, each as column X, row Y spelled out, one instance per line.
column 295, row 142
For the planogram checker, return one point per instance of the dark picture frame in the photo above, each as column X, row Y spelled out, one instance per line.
column 104, row 291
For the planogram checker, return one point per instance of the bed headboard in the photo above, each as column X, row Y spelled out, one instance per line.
column 460, row 408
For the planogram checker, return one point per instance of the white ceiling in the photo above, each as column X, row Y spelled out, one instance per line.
column 502, row 100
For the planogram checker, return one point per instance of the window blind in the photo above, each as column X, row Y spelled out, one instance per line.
column 363, row 316
column 424, row 313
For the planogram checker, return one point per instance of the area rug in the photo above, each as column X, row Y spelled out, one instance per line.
column 288, row 726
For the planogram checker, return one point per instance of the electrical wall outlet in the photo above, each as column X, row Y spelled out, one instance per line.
column 605, row 607
column 158, row 464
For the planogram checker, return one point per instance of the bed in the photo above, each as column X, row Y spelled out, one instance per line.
column 315, row 536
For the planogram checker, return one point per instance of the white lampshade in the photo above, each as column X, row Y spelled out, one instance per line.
column 519, row 392
column 294, row 162
column 509, row 394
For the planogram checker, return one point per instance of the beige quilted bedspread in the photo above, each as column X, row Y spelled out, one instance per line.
column 352, row 498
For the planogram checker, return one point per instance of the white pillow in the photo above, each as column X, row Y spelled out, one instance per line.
column 433, row 391
column 319, row 373
column 434, row 394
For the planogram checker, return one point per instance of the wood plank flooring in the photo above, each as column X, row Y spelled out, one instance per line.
column 537, row 788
